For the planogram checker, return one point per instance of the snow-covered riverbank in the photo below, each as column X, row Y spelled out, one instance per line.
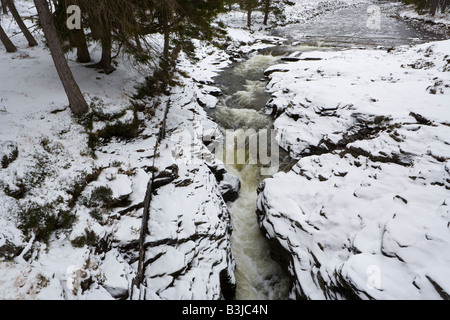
column 54, row 168
column 365, row 212
column 50, row 167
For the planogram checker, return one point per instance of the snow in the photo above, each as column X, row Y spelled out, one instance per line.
column 348, row 85
column 53, row 156
column 114, row 270
column 340, row 215
column 366, row 203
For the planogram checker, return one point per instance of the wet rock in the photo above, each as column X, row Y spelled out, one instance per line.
column 166, row 177
column 229, row 184
column 230, row 187
column 228, row 285
column 218, row 170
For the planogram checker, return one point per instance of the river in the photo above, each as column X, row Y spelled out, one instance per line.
column 242, row 107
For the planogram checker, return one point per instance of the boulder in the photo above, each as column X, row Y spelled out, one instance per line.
column 230, row 187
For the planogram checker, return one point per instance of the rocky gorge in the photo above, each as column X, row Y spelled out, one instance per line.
column 358, row 211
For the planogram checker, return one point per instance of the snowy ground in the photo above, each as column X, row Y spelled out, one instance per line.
column 47, row 167
column 364, row 213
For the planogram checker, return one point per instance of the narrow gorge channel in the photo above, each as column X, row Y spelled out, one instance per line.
column 243, row 107
column 258, row 277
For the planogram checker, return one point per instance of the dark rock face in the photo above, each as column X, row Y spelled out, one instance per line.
column 9, row 250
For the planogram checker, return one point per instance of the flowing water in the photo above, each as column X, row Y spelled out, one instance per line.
column 258, row 276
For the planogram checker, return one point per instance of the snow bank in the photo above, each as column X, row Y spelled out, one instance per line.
column 365, row 212
column 47, row 164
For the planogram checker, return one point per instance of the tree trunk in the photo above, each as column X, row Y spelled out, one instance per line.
column 249, row 18
column 76, row 99
column 433, row 6
column 4, row 7
column 266, row 11
column 77, row 39
column 444, row 6
column 166, row 42
column 106, row 61
column 12, row 7
column 138, row 44
column 10, row 47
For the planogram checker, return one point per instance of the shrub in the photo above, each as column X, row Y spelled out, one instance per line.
column 100, row 197
column 43, row 220
column 89, row 239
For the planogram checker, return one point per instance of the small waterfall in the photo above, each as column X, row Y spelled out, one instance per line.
column 258, row 276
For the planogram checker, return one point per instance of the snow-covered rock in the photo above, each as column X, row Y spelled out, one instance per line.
column 229, row 187
column 188, row 247
column 115, row 273
column 48, row 165
column 365, row 212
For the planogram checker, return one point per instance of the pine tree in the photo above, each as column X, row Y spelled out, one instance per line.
column 444, row 5
column 75, row 38
column 230, row 3
column 12, row 8
column 267, row 8
column 76, row 99
column 114, row 22
column 433, row 6
column 249, row 6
